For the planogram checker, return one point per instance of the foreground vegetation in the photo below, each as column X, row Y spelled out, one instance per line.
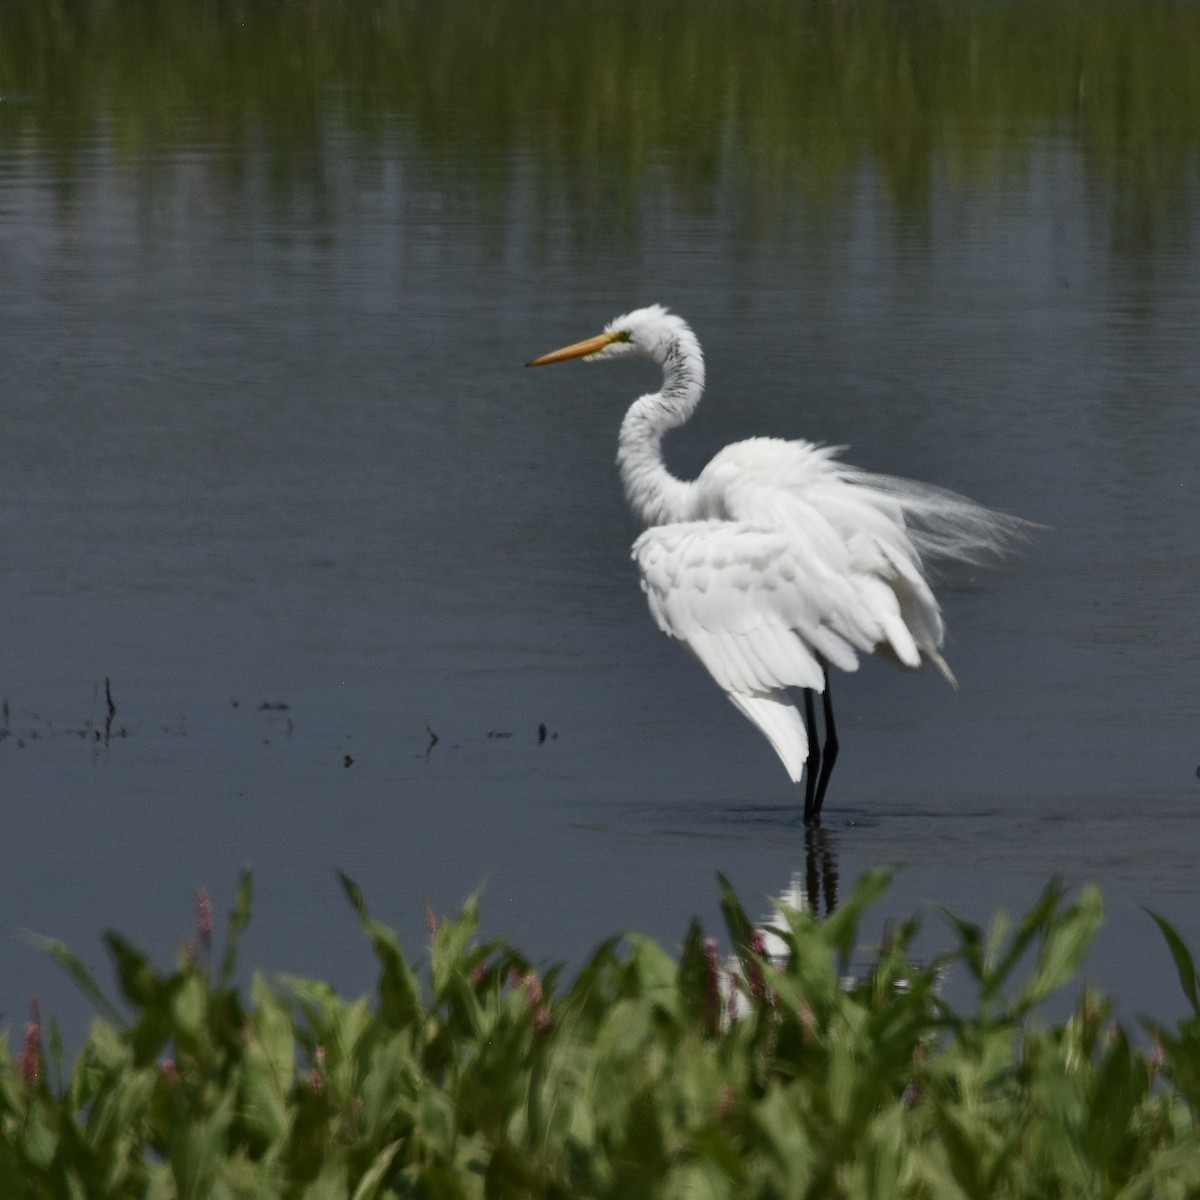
column 482, row 1077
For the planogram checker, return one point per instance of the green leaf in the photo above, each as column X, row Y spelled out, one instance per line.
column 197, row 1149
column 970, row 945
column 56, row 1053
column 138, row 979
column 508, row 1175
column 1183, row 960
column 449, row 943
column 840, row 928
column 368, row 1185
column 353, row 893
column 239, row 918
column 993, row 954
column 699, row 997
column 1066, row 941
column 738, row 924
column 399, row 992
column 39, row 1139
column 439, row 1183
column 1120, row 1085
column 83, row 978
column 1035, row 922
column 270, row 1062
column 189, row 1007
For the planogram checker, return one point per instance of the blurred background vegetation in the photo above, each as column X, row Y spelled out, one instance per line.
column 774, row 96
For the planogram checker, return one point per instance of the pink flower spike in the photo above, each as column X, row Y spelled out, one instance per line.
column 30, row 1062
column 1158, row 1056
column 204, row 922
column 754, row 973
column 431, row 921
column 533, row 989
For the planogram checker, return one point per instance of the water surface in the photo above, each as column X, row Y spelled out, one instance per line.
column 272, row 466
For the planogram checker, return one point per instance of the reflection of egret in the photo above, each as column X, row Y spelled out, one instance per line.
column 779, row 559
column 820, row 870
column 769, row 937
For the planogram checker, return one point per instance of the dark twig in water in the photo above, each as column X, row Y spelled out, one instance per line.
column 433, row 739
column 112, row 709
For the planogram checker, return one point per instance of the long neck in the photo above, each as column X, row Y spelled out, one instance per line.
column 656, row 496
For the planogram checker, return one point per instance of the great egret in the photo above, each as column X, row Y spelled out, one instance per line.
column 778, row 559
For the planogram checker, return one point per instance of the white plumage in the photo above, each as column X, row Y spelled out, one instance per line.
column 778, row 559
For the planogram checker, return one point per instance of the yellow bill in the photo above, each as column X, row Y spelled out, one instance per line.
column 592, row 345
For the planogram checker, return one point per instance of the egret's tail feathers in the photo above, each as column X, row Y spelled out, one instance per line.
column 945, row 525
column 782, row 725
column 941, row 664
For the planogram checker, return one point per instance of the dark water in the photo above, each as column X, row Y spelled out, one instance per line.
column 272, row 468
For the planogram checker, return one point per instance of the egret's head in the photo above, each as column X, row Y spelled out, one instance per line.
column 645, row 332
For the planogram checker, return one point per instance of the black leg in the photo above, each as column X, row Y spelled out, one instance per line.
column 812, row 764
column 828, row 755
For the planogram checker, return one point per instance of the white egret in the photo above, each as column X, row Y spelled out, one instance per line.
column 779, row 560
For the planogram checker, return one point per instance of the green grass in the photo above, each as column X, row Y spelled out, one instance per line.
column 473, row 1075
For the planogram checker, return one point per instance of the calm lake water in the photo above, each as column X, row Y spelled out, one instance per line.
column 271, row 466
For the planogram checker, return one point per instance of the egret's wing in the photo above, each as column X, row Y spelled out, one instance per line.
column 734, row 595
column 776, row 716
column 865, row 530
column 738, row 597
column 854, row 543
column 802, row 562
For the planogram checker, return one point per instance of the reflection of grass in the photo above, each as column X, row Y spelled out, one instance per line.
column 488, row 1078
column 783, row 96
